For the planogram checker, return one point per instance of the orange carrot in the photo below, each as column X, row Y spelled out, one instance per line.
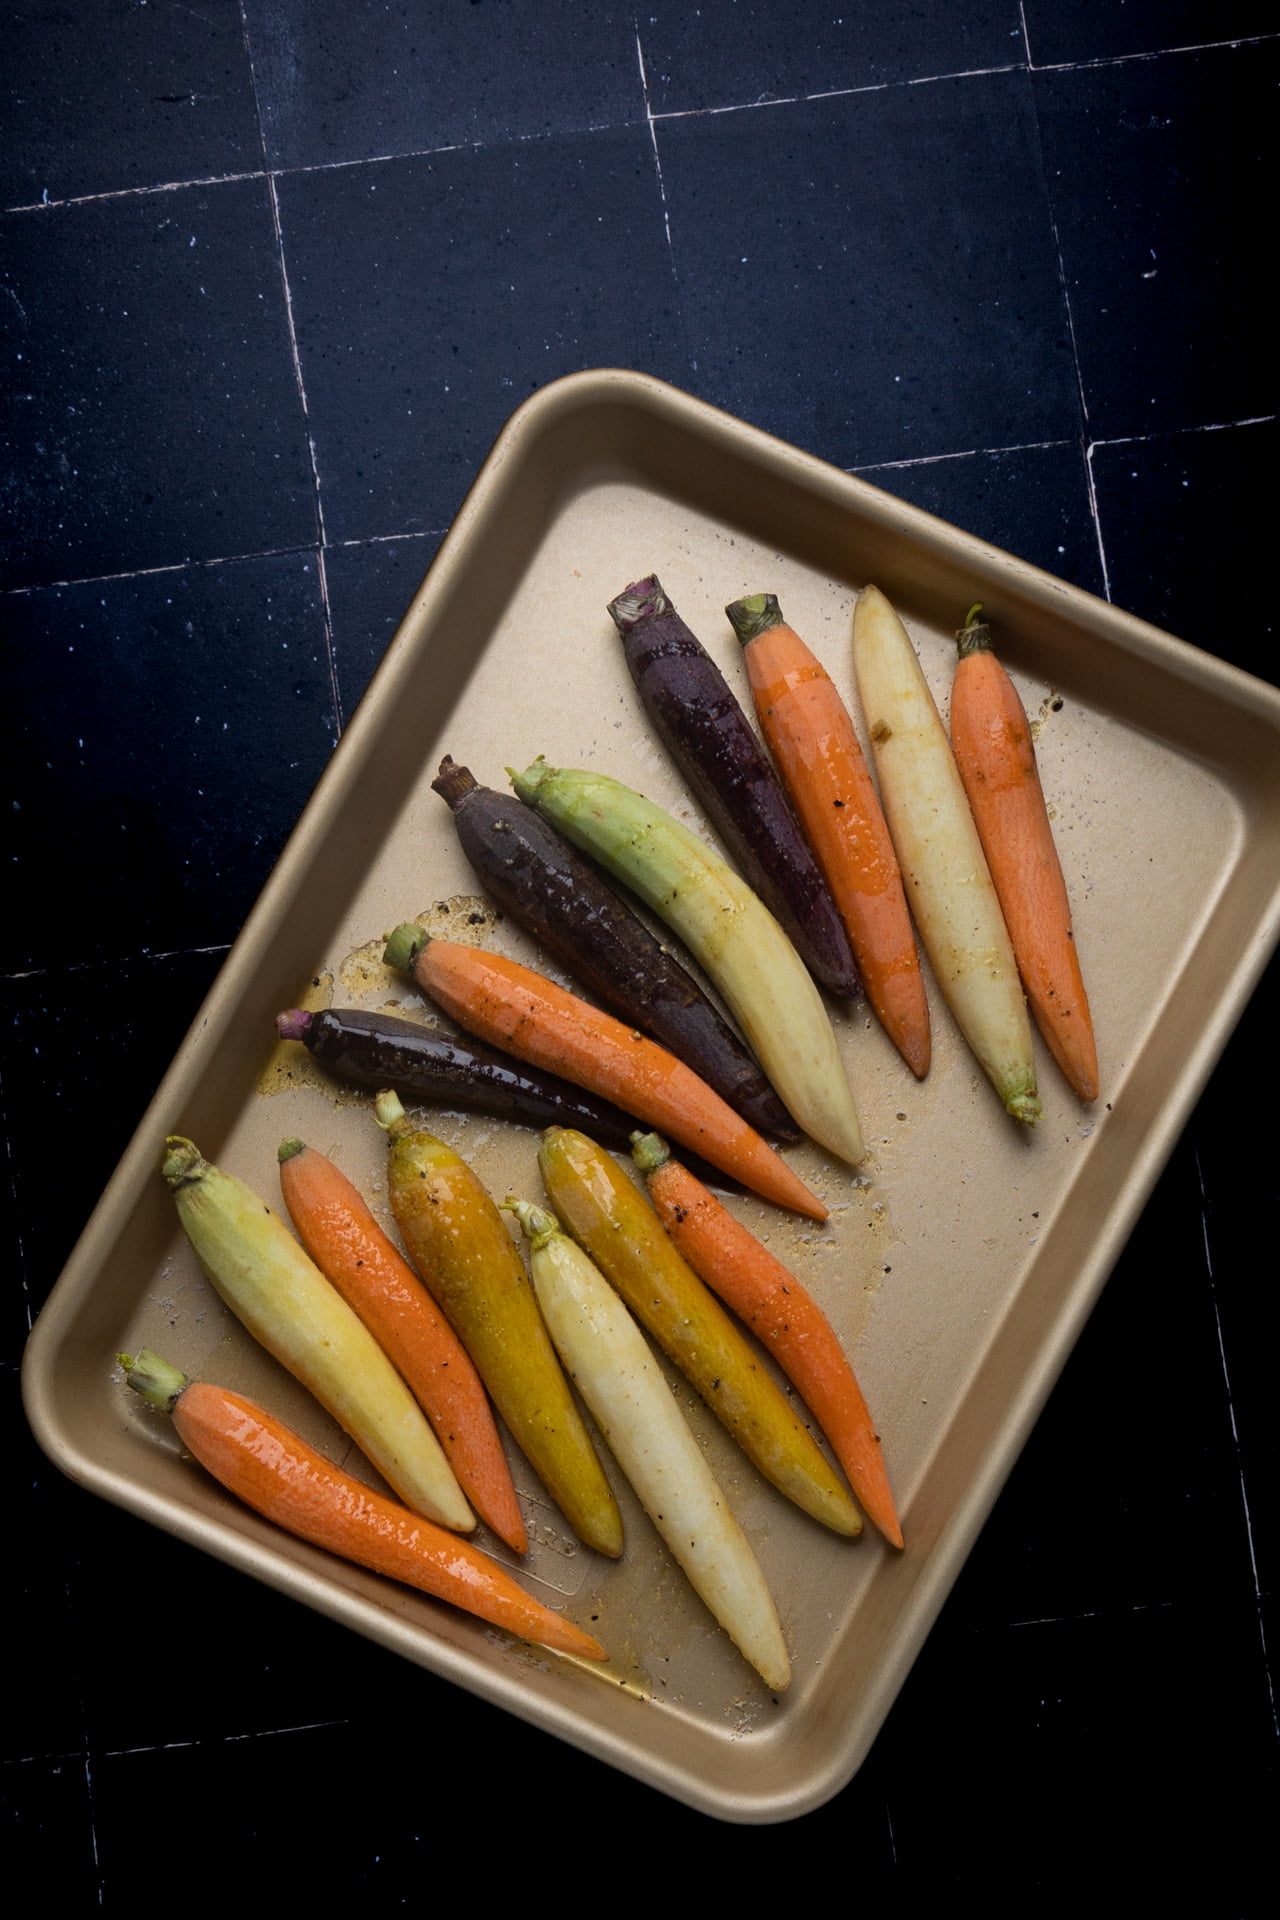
column 350, row 1249
column 502, row 1002
column 811, row 737
column 783, row 1316
column 997, row 763
column 276, row 1473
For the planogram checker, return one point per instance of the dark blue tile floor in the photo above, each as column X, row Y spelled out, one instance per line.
column 273, row 277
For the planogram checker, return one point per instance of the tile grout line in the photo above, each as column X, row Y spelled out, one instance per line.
column 1027, row 65
column 46, row 205
column 1026, row 37
column 1235, row 1438
column 293, row 351
column 322, row 577
column 437, row 533
column 837, row 93
column 93, row 1827
column 963, row 453
column 227, row 1739
column 230, row 560
column 653, row 142
column 1171, row 433
column 1151, row 53
column 129, row 959
column 1086, row 444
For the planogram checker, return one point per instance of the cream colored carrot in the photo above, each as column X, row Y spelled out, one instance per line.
column 608, row 1361
column 948, row 885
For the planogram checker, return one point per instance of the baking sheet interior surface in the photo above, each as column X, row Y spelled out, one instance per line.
column 929, row 1245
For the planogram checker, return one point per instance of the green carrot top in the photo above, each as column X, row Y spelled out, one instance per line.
column 754, row 615
column 163, row 1385
column 182, row 1162
column 538, row 1225
column 649, row 1151
column 975, row 635
column 404, row 945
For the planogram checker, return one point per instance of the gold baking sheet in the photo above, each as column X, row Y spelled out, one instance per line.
column 958, row 1264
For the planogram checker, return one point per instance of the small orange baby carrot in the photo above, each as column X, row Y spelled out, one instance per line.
column 350, row 1249
column 811, row 737
column 997, row 763
column 510, row 1006
column 779, row 1311
column 274, row 1471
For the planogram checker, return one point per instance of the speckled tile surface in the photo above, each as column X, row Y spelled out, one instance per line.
column 274, row 276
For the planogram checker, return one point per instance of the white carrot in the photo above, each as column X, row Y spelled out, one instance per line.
column 948, row 885
column 285, row 1301
column 726, row 927
column 609, row 1362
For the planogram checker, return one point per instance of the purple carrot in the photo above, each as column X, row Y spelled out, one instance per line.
column 377, row 1050
column 714, row 745
column 562, row 900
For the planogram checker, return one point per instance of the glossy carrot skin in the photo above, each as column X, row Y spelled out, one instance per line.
column 616, row 1374
column 784, row 1318
column 551, row 890
column 274, row 1471
column 376, row 1050
column 812, row 739
column 281, row 1296
column 728, row 928
column 992, row 744
column 510, row 1006
column 949, row 887
column 614, row 1224
column 349, row 1247
column 712, row 743
column 461, row 1245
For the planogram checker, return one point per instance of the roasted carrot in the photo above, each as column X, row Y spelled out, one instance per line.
column 997, row 762
column 460, row 1244
column 510, row 1006
column 611, row 1365
column 726, row 927
column 944, row 869
column 704, row 729
column 617, row 1228
column 782, row 1315
column 811, row 737
column 277, row 1290
column 274, row 1471
column 349, row 1247
column 540, row 880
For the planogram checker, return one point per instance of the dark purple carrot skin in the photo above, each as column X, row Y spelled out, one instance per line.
column 713, row 743
column 376, row 1050
column 557, row 896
